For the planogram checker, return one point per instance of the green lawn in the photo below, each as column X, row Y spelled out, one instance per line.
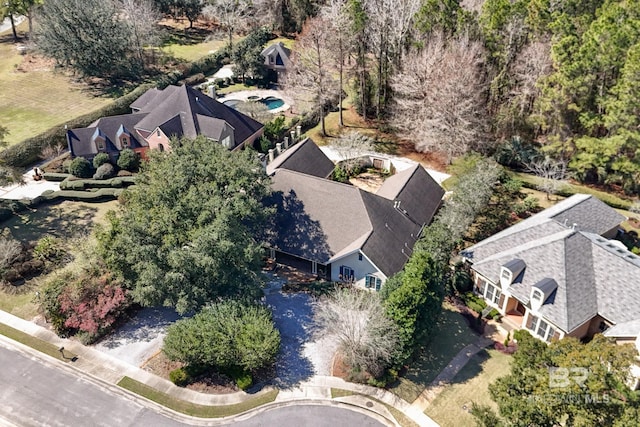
column 36, row 343
column 37, row 99
column 192, row 409
column 193, row 51
column 67, row 221
column 451, row 407
column 452, row 335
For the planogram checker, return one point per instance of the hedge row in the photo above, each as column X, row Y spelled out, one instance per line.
column 56, row 177
column 27, row 152
column 82, row 184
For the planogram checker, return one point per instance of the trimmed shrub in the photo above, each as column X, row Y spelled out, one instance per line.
column 128, row 160
column 105, row 171
column 180, row 377
column 80, row 167
column 100, row 159
column 56, row 177
column 123, row 173
column 241, row 377
column 65, row 166
column 195, row 79
column 72, row 185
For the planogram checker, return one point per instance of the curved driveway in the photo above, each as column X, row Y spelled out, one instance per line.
column 35, row 392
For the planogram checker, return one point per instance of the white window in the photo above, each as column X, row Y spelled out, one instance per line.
column 226, row 142
column 492, row 294
column 100, row 143
column 536, row 295
column 541, row 328
column 346, row 274
column 371, row 281
column 506, row 274
column 125, row 141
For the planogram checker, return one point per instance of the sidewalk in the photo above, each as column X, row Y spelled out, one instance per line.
column 318, row 389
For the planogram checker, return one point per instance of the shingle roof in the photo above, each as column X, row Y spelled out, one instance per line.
column 190, row 105
column 280, row 48
column 316, row 218
column 322, row 220
column 305, row 157
column 594, row 275
column 81, row 138
column 630, row 329
column 145, row 100
column 416, row 191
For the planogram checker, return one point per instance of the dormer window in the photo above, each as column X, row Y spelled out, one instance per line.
column 100, row 143
column 124, row 141
column 510, row 271
column 541, row 291
column 506, row 275
column 536, row 295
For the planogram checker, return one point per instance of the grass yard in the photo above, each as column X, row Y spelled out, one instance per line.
column 37, row 98
column 192, row 409
column 36, row 343
column 67, row 221
column 470, row 385
column 64, row 220
column 451, row 335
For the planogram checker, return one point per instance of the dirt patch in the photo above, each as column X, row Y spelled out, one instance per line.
column 338, row 367
column 210, row 383
column 367, row 181
column 33, row 62
column 430, row 160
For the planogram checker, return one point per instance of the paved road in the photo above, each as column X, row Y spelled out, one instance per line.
column 36, row 393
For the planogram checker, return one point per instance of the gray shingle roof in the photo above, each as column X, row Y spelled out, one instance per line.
column 305, row 157
column 81, row 138
column 594, row 276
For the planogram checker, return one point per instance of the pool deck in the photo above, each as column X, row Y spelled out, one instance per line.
column 244, row 95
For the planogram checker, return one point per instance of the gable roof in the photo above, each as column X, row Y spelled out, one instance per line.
column 145, row 101
column 416, row 192
column 81, row 139
column 305, row 157
column 322, row 220
column 191, row 106
column 279, row 48
column 593, row 275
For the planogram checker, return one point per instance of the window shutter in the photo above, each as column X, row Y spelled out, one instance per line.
column 556, row 335
column 501, row 301
column 530, row 321
column 378, row 284
column 367, row 282
column 341, row 270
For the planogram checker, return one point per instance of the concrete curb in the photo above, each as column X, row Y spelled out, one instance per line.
column 106, row 371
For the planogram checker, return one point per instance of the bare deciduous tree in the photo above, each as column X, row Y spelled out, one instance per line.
column 141, row 18
column 9, row 251
column 439, row 100
column 231, row 14
column 356, row 319
column 553, row 174
column 532, row 63
column 351, row 147
column 255, row 110
column 52, row 151
column 310, row 81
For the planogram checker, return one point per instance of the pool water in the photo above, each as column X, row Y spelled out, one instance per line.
column 272, row 102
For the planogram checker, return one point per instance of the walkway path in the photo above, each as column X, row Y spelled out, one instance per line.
column 448, row 373
column 317, row 389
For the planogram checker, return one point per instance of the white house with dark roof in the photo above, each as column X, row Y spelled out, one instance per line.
column 341, row 232
column 276, row 59
column 557, row 273
column 159, row 115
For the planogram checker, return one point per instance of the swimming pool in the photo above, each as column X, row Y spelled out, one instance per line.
column 272, row 102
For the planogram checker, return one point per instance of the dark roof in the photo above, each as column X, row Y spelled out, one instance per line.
column 81, row 139
column 418, row 194
column 391, row 243
column 191, row 105
column 145, row 100
column 322, row 220
column 283, row 52
column 305, row 157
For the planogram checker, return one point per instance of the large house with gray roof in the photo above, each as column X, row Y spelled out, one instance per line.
column 338, row 231
column 159, row 115
column 558, row 273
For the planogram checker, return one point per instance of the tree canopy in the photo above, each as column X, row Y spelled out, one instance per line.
column 566, row 383
column 185, row 235
column 225, row 335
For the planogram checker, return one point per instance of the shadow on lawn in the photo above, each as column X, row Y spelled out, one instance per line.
column 63, row 220
column 473, row 368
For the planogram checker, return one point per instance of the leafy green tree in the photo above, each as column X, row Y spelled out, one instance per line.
column 247, row 55
column 100, row 159
column 416, row 303
column 128, row 160
column 97, row 47
column 80, row 167
column 185, row 236
column 225, row 335
column 594, row 395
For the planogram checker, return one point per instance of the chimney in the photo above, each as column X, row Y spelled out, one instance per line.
column 271, row 156
column 574, row 226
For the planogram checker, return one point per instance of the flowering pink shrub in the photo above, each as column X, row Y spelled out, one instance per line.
column 92, row 304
